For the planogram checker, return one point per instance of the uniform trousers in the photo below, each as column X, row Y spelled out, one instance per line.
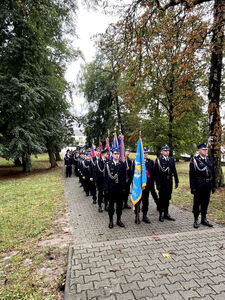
column 127, row 192
column 164, row 199
column 145, row 202
column 201, row 200
column 68, row 171
column 115, row 197
column 100, row 188
column 87, row 186
column 93, row 190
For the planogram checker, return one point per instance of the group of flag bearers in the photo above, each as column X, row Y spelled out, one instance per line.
column 110, row 180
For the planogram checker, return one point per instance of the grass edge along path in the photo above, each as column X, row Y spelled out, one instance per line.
column 32, row 213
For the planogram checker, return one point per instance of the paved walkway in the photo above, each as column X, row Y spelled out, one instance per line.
column 167, row 260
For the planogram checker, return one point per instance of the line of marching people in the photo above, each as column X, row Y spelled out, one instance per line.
column 108, row 181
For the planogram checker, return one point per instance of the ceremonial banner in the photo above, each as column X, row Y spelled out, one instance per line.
column 114, row 143
column 140, row 178
column 107, row 146
column 121, row 147
column 92, row 151
column 100, row 147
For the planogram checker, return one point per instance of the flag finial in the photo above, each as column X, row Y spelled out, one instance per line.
column 140, row 129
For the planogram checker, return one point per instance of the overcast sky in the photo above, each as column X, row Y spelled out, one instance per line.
column 89, row 23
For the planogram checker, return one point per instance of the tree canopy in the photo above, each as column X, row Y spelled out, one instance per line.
column 34, row 50
column 169, row 63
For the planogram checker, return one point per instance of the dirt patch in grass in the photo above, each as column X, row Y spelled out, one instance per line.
column 53, row 251
column 53, row 269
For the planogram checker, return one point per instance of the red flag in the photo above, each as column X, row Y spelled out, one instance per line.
column 107, row 146
column 121, row 147
column 100, row 147
column 92, row 151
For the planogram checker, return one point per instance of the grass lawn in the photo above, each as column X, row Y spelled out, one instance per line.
column 183, row 198
column 30, row 204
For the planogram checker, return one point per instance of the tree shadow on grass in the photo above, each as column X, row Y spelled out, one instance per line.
column 9, row 172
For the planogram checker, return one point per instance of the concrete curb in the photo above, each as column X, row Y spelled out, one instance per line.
column 67, row 295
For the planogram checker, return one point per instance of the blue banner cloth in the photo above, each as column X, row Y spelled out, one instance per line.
column 140, row 178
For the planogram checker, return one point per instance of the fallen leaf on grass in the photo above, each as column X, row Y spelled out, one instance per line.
column 221, row 247
column 112, row 271
column 100, row 233
column 173, row 253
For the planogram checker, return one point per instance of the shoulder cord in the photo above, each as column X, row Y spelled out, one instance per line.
column 195, row 159
column 161, row 168
column 128, row 168
column 93, row 163
column 115, row 177
column 83, row 162
column 100, row 170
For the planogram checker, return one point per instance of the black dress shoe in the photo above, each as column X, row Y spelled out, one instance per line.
column 161, row 218
column 137, row 221
column 87, row 194
column 127, row 206
column 168, row 217
column 206, row 223
column 120, row 223
column 196, row 224
column 100, row 209
column 111, row 224
column 146, row 219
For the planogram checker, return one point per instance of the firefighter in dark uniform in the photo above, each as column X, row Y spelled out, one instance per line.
column 129, row 164
column 149, row 165
column 202, row 184
column 86, row 173
column 68, row 161
column 115, row 186
column 92, row 177
column 80, row 168
column 102, row 165
column 76, row 159
column 165, row 170
column 98, row 178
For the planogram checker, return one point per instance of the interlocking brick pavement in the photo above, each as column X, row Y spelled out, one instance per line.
column 129, row 263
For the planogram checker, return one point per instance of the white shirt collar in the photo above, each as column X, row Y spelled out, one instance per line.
column 202, row 157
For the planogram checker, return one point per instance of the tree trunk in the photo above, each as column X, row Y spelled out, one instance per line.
column 51, row 154
column 57, row 156
column 215, row 128
column 17, row 162
column 170, row 96
column 26, row 162
column 170, row 133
